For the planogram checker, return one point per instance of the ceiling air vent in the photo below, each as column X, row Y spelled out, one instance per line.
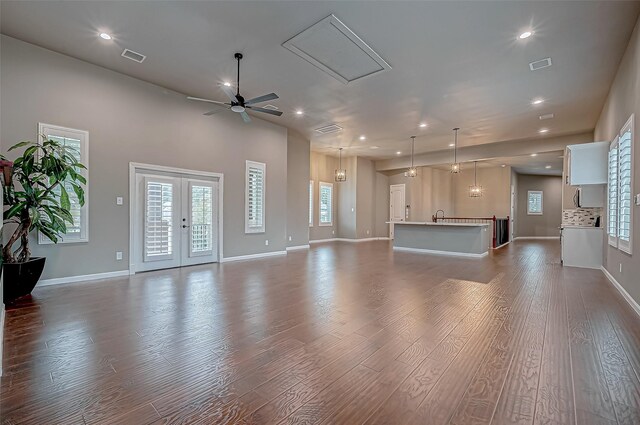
column 332, row 47
column 270, row 107
column 333, row 128
column 134, row 56
column 542, row 63
column 546, row 116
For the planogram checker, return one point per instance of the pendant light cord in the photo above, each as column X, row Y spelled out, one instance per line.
column 238, row 80
column 413, row 141
column 455, row 146
column 340, row 158
column 475, row 173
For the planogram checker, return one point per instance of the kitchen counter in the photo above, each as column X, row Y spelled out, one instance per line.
column 456, row 239
column 582, row 246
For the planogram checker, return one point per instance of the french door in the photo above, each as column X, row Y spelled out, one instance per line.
column 176, row 221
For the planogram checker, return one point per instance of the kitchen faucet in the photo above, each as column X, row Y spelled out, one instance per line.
column 435, row 217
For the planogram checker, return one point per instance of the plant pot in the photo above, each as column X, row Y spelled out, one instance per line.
column 21, row 278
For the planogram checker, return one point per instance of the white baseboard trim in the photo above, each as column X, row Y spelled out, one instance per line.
column 253, row 256
column 500, row 246
column 298, row 247
column 349, row 240
column 519, row 238
column 82, row 278
column 433, row 251
column 634, row 305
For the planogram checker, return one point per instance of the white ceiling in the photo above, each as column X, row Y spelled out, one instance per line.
column 522, row 164
column 453, row 63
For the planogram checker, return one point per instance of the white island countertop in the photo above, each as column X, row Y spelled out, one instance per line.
column 431, row 223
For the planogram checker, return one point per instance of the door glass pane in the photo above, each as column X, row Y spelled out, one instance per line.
column 201, row 218
column 158, row 235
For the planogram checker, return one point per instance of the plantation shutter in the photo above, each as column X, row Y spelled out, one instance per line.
column 158, row 223
column 612, row 195
column 255, row 197
column 326, row 204
column 311, row 203
column 625, row 176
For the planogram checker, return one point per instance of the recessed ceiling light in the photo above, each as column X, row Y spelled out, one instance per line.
column 373, row 147
column 423, row 125
column 105, row 36
column 543, row 130
column 226, row 83
column 537, row 101
column 299, row 112
column 547, row 167
column 534, row 154
column 503, row 165
column 525, row 34
column 363, row 138
column 398, row 153
column 451, row 145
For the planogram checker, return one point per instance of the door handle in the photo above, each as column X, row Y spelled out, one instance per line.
column 184, row 226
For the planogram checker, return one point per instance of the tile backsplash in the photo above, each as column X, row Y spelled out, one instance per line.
column 581, row 216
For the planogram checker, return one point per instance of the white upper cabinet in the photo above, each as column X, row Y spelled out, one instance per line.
column 587, row 163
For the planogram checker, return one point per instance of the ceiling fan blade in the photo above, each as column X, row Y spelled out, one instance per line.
column 206, row 100
column 245, row 117
column 263, row 98
column 266, row 111
column 215, row 111
column 229, row 92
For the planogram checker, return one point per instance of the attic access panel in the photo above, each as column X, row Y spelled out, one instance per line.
column 333, row 48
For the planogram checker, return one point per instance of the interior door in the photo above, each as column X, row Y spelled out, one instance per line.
column 199, row 222
column 396, row 205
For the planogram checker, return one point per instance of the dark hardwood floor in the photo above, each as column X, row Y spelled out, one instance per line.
column 341, row 334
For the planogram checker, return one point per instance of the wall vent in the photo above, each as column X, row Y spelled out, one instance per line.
column 542, row 63
column 332, row 128
column 134, row 56
column 270, row 107
column 546, row 116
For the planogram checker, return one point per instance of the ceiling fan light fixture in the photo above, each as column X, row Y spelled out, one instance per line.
column 237, row 108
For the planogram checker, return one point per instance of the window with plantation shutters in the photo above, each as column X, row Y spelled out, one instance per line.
column 311, row 203
column 625, row 184
column 255, row 197
column 76, row 142
column 612, row 195
column 159, row 219
column 326, row 204
column 620, row 189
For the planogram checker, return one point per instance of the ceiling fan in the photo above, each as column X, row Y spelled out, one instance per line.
column 238, row 104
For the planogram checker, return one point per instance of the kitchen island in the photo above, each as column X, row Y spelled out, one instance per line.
column 456, row 239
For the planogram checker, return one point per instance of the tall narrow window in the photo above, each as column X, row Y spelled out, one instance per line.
column 76, row 142
column 625, row 184
column 255, row 197
column 534, row 202
column 612, row 195
column 311, row 203
column 326, row 204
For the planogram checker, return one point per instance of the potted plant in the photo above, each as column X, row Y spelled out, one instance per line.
column 36, row 198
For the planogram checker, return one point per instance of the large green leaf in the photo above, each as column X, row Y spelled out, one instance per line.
column 64, row 198
column 19, row 145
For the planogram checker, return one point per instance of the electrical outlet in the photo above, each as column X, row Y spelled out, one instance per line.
column 638, row 199
column 118, row 255
column 266, row 242
column 119, row 200
column 289, row 238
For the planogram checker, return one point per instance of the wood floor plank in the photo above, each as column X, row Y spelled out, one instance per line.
column 337, row 334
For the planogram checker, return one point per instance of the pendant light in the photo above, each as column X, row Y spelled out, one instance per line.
column 341, row 174
column 455, row 167
column 475, row 191
column 412, row 171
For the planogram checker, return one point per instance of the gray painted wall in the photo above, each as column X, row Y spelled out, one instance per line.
column 322, row 168
column 298, row 169
column 347, row 200
column 381, row 206
column 548, row 223
column 622, row 101
column 130, row 120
